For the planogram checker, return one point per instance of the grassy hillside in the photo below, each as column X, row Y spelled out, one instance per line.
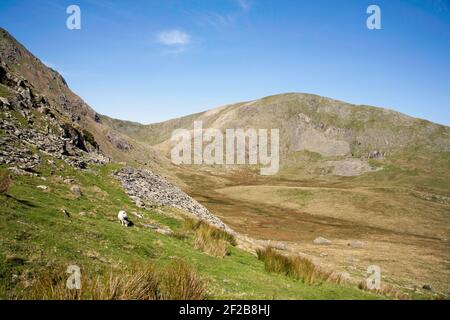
column 38, row 238
column 149, row 134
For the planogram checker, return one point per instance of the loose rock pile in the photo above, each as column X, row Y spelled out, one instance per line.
column 22, row 158
column 144, row 187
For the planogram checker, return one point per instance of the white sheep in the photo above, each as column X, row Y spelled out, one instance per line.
column 123, row 218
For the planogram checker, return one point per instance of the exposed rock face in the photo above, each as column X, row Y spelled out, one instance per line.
column 144, row 186
column 118, row 142
column 306, row 136
column 4, row 103
column 74, row 136
column 45, row 80
column 31, row 127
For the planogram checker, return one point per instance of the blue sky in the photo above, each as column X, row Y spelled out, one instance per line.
column 149, row 61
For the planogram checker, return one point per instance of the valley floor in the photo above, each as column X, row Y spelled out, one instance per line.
column 403, row 229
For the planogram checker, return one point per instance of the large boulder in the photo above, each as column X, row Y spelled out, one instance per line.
column 4, row 103
column 74, row 136
column 76, row 190
column 322, row 241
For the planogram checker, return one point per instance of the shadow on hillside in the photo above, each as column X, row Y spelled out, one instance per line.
column 23, row 202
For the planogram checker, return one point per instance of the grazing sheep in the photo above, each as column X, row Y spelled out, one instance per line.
column 123, row 218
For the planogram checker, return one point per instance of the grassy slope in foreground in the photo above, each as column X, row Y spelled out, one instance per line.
column 36, row 235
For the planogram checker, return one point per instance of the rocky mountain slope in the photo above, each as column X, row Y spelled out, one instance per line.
column 28, row 123
column 67, row 106
column 41, row 116
column 344, row 136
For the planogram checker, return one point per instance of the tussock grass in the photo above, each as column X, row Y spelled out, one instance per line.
column 178, row 281
column 295, row 267
column 5, row 181
column 215, row 232
column 214, row 247
column 207, row 238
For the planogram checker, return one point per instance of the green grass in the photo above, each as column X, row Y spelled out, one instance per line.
column 4, row 92
column 37, row 236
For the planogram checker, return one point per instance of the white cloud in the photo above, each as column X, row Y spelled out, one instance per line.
column 173, row 38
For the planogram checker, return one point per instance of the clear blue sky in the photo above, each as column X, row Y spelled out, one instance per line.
column 149, row 61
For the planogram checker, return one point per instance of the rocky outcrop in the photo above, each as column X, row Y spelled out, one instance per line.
column 375, row 154
column 21, row 157
column 118, row 142
column 145, row 187
column 30, row 127
column 45, row 80
column 304, row 135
